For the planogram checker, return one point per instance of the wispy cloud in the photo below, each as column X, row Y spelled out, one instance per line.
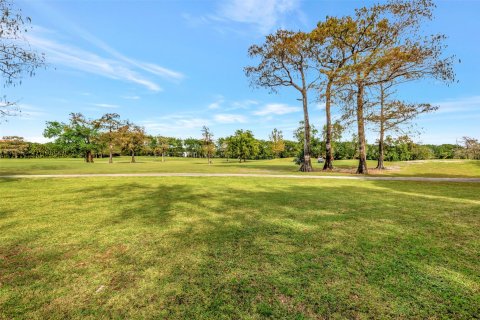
column 175, row 124
column 226, row 105
column 146, row 66
column 459, row 105
column 276, row 109
column 106, row 105
column 117, row 66
column 29, row 112
column 131, row 97
column 243, row 104
column 263, row 14
column 216, row 104
column 230, row 118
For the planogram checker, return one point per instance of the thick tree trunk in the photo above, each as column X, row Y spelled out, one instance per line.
column 307, row 162
column 328, row 141
column 110, row 156
column 89, row 157
column 133, row 157
column 362, row 161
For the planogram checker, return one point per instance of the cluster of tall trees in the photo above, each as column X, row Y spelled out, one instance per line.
column 356, row 63
column 92, row 136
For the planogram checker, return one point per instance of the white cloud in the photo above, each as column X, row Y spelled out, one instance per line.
column 157, row 70
column 192, row 123
column 118, row 67
column 29, row 112
column 106, row 105
column 230, row 118
column 131, row 97
column 146, row 66
column 231, row 105
column 276, row 108
column 320, row 106
column 243, row 104
column 175, row 124
column 264, row 14
column 219, row 100
column 458, row 105
column 214, row 105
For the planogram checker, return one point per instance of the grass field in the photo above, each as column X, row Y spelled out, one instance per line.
column 235, row 248
column 431, row 168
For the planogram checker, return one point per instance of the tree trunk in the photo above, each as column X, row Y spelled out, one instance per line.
column 328, row 141
column 307, row 163
column 381, row 147
column 362, row 161
column 133, row 157
column 89, row 157
column 163, row 157
column 110, row 156
column 380, row 164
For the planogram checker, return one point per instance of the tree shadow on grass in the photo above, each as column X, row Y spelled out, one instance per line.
column 182, row 248
column 33, row 169
column 449, row 191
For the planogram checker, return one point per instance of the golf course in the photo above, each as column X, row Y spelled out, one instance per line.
column 239, row 160
column 236, row 247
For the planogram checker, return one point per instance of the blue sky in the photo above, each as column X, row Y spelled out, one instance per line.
column 174, row 66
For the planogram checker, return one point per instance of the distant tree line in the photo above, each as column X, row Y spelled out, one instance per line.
column 109, row 136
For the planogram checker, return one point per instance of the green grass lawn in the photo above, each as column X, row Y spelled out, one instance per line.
column 237, row 248
column 431, row 168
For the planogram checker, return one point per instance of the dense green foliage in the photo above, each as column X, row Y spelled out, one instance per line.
column 399, row 149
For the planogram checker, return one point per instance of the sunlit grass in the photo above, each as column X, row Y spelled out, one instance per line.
column 431, row 168
column 233, row 248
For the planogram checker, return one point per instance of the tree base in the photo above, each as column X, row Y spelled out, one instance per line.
column 306, row 167
column 328, row 166
column 362, row 167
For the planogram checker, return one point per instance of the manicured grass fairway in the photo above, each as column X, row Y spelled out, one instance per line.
column 430, row 168
column 238, row 248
